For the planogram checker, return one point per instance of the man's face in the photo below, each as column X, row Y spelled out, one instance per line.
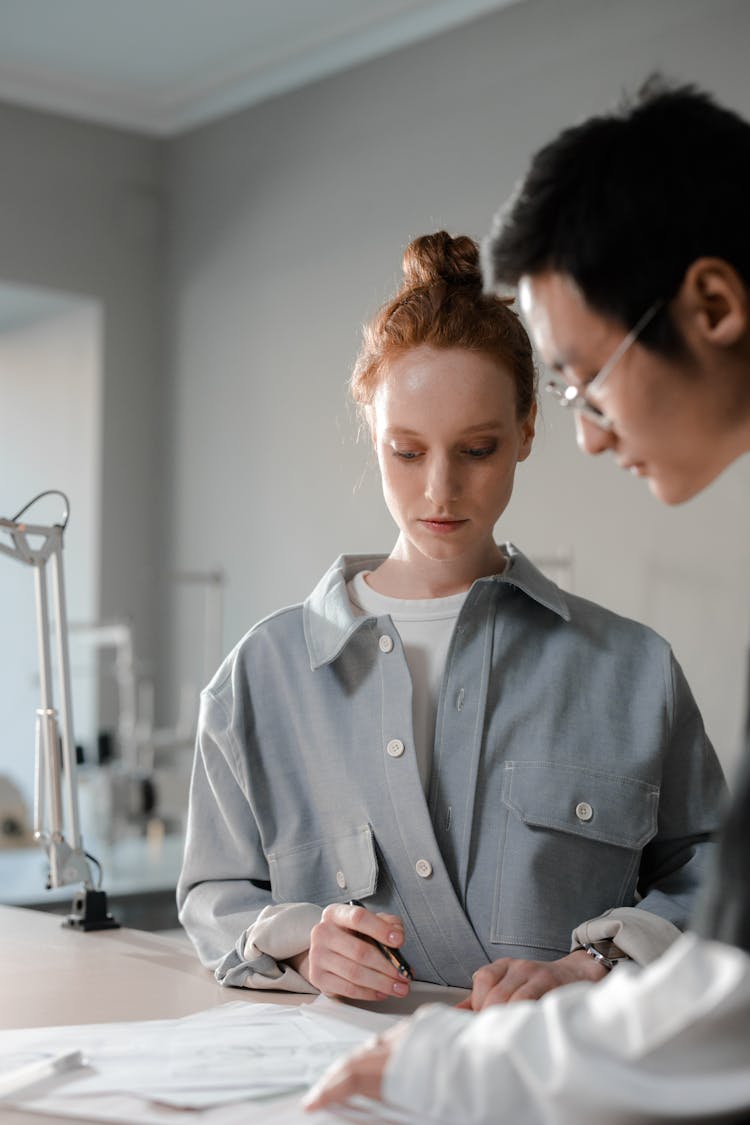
column 667, row 421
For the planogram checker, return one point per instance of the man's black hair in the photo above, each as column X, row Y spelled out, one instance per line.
column 624, row 202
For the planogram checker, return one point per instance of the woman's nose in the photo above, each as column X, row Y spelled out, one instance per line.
column 591, row 438
column 443, row 484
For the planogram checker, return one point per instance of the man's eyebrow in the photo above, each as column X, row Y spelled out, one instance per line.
column 564, row 359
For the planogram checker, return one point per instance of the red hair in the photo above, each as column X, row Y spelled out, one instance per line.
column 442, row 303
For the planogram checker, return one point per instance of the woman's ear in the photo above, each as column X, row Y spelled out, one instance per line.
column 712, row 304
column 528, row 429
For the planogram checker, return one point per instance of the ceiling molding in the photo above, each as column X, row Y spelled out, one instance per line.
column 198, row 94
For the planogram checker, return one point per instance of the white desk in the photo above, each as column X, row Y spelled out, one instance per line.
column 50, row 975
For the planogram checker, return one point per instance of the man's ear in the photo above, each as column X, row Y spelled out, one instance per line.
column 712, row 304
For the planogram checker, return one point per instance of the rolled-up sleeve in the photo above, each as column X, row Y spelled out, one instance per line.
column 224, row 890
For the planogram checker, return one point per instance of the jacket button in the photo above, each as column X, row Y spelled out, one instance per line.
column 385, row 643
column 423, row 868
column 341, row 879
column 395, row 748
column 584, row 810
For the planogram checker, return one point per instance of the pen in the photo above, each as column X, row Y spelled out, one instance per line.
column 396, row 958
column 17, row 1080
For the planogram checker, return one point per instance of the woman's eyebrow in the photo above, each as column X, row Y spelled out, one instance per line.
column 400, row 431
column 494, row 424
column 479, row 427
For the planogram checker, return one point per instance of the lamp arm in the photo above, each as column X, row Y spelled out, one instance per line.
column 56, row 781
column 67, row 859
column 72, row 817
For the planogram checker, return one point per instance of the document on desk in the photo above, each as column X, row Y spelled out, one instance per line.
column 220, row 1066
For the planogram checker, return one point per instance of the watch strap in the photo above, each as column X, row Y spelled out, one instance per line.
column 605, row 952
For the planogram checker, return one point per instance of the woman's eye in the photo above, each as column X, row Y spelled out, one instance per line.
column 406, row 454
column 480, row 451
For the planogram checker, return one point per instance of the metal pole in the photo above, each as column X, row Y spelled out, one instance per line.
column 47, row 710
column 66, row 707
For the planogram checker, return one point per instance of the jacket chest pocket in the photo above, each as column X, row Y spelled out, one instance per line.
column 571, row 849
column 332, row 869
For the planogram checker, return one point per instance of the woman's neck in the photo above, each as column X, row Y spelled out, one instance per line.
column 403, row 576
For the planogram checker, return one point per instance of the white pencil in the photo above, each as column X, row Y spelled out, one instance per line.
column 17, row 1080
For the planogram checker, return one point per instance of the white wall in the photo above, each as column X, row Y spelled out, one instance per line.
column 50, row 405
column 286, row 226
column 80, row 213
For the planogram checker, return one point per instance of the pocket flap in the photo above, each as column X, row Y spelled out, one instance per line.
column 587, row 802
column 333, row 869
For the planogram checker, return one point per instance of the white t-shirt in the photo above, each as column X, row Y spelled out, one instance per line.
column 425, row 626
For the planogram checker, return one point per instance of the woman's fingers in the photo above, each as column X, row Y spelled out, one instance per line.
column 344, row 959
column 385, row 928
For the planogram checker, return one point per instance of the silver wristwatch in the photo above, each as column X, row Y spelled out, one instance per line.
column 605, row 952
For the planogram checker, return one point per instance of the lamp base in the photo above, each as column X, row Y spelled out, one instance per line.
column 90, row 912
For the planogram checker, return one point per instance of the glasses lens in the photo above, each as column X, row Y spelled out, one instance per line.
column 561, row 391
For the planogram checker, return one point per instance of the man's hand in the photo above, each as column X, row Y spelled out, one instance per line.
column 342, row 961
column 514, row 979
column 359, row 1073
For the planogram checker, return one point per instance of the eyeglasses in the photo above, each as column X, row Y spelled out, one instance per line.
column 577, row 397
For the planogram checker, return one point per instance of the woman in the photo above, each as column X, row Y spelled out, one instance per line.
column 441, row 732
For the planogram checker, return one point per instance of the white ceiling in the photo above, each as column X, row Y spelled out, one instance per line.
column 165, row 66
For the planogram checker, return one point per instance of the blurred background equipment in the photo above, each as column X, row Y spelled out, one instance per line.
column 15, row 824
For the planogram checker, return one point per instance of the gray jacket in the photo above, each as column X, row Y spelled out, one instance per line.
column 571, row 774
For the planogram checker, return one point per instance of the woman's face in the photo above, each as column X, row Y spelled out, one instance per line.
column 448, row 441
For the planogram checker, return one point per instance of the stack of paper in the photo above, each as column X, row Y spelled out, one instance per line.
column 236, row 1052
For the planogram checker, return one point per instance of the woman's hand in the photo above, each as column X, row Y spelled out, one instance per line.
column 514, row 979
column 359, row 1073
column 342, row 961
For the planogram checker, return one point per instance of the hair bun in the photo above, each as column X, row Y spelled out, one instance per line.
column 438, row 257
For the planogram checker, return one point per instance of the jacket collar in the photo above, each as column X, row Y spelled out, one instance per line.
column 522, row 574
column 329, row 621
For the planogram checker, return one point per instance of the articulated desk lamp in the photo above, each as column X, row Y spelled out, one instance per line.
column 56, row 779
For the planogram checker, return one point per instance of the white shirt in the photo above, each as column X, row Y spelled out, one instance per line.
column 425, row 626
column 668, row 1043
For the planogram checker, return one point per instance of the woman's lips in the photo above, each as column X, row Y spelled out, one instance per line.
column 441, row 526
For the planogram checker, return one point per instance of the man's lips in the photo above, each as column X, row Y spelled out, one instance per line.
column 637, row 468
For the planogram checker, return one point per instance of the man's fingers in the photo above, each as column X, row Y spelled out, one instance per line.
column 338, row 1085
column 361, row 1073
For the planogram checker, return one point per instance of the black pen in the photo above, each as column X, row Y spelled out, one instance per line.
column 397, row 959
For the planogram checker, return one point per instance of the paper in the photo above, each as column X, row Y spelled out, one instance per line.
column 218, row 1061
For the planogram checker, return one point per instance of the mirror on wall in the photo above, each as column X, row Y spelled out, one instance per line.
column 50, row 413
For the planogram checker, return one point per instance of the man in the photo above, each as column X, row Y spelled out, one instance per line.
column 629, row 241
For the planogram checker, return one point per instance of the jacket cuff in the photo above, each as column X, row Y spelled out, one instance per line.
column 278, row 933
column 641, row 935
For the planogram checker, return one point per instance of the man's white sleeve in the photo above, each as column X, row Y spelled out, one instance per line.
column 668, row 1043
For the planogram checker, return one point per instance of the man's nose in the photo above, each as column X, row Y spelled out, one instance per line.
column 591, row 438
